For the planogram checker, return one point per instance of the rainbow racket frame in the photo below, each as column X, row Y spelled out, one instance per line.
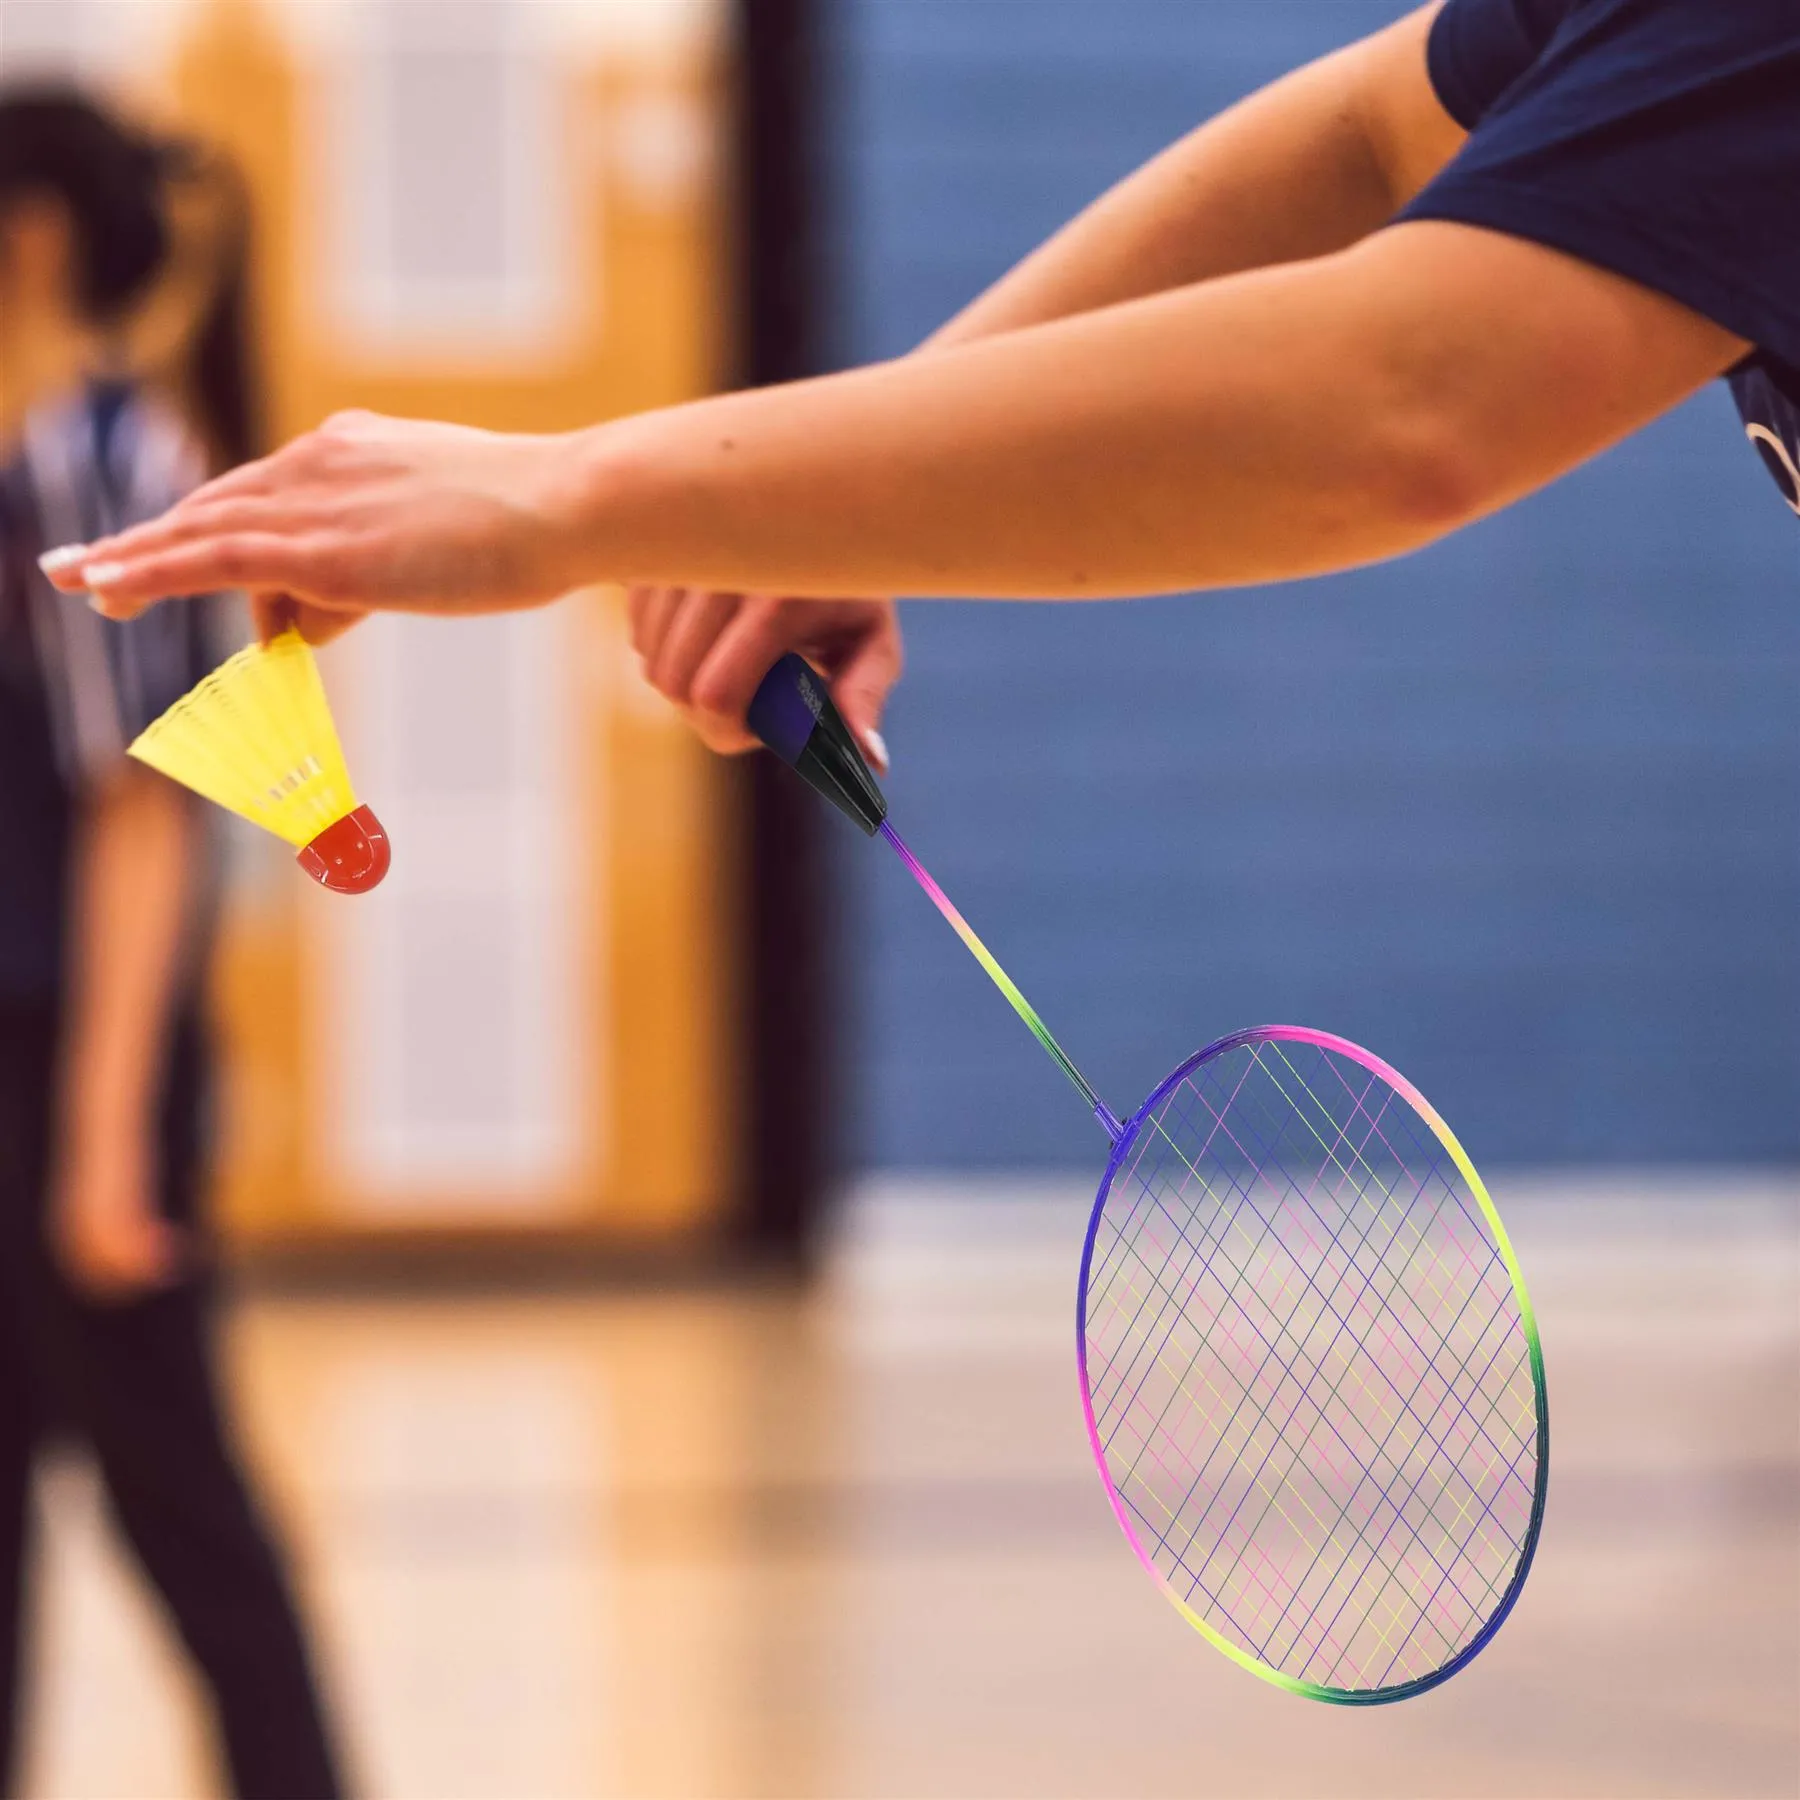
column 1124, row 1143
column 1346, row 1450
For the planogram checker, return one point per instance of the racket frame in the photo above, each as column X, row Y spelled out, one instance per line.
column 1122, row 1147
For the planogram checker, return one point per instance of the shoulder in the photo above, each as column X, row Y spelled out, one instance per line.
column 1478, row 49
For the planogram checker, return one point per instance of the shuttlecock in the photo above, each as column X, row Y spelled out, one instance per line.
column 256, row 737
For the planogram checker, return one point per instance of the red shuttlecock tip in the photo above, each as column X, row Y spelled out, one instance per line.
column 351, row 856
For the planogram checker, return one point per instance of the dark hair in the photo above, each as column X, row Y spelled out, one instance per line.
column 220, row 374
column 54, row 141
column 112, row 179
column 222, row 380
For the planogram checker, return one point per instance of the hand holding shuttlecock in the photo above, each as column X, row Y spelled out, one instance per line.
column 256, row 737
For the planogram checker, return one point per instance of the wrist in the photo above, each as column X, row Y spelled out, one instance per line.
column 578, row 486
column 640, row 498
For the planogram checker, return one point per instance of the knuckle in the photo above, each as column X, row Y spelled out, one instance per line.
column 233, row 516
column 303, row 451
column 674, row 681
column 232, row 558
column 327, row 568
column 715, row 693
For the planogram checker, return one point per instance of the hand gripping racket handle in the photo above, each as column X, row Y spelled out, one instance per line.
column 792, row 713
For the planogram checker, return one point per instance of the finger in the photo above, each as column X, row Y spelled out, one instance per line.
column 720, row 735
column 69, row 568
column 254, row 560
column 660, row 605
column 690, row 636
column 249, row 481
column 272, row 614
column 743, row 654
column 637, row 606
column 861, row 687
column 62, row 566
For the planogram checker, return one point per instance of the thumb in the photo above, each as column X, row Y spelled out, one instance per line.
column 275, row 613
column 271, row 614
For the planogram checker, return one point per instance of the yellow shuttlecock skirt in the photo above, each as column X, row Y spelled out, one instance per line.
column 256, row 737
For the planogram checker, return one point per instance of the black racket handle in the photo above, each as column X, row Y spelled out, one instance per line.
column 793, row 714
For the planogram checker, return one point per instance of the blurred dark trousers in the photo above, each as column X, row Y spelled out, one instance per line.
column 135, row 1382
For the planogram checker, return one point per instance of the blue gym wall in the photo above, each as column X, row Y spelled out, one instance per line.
column 1521, row 813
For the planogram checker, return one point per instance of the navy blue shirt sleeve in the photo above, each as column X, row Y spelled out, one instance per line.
column 1659, row 139
column 1477, row 52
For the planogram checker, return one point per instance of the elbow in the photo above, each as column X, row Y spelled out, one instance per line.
column 1422, row 476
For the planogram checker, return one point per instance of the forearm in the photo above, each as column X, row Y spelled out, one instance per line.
column 133, row 874
column 1306, row 166
column 1113, row 453
column 1260, row 427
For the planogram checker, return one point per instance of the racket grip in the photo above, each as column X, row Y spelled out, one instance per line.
column 793, row 715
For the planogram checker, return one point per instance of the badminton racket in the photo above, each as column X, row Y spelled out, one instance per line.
column 1309, row 1368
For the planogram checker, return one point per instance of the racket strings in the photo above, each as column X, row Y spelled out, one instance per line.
column 1308, row 1370
column 1275, row 1350
column 1262, row 1580
column 1272, row 1499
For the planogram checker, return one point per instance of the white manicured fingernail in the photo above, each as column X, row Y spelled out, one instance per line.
column 876, row 745
column 102, row 575
column 53, row 562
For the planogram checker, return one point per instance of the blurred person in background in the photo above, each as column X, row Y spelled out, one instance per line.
column 1390, row 294
column 105, row 911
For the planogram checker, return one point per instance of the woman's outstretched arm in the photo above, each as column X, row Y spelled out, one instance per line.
column 1224, row 372
column 1268, row 425
column 1306, row 166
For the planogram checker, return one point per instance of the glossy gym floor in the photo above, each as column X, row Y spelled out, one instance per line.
column 736, row 1542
